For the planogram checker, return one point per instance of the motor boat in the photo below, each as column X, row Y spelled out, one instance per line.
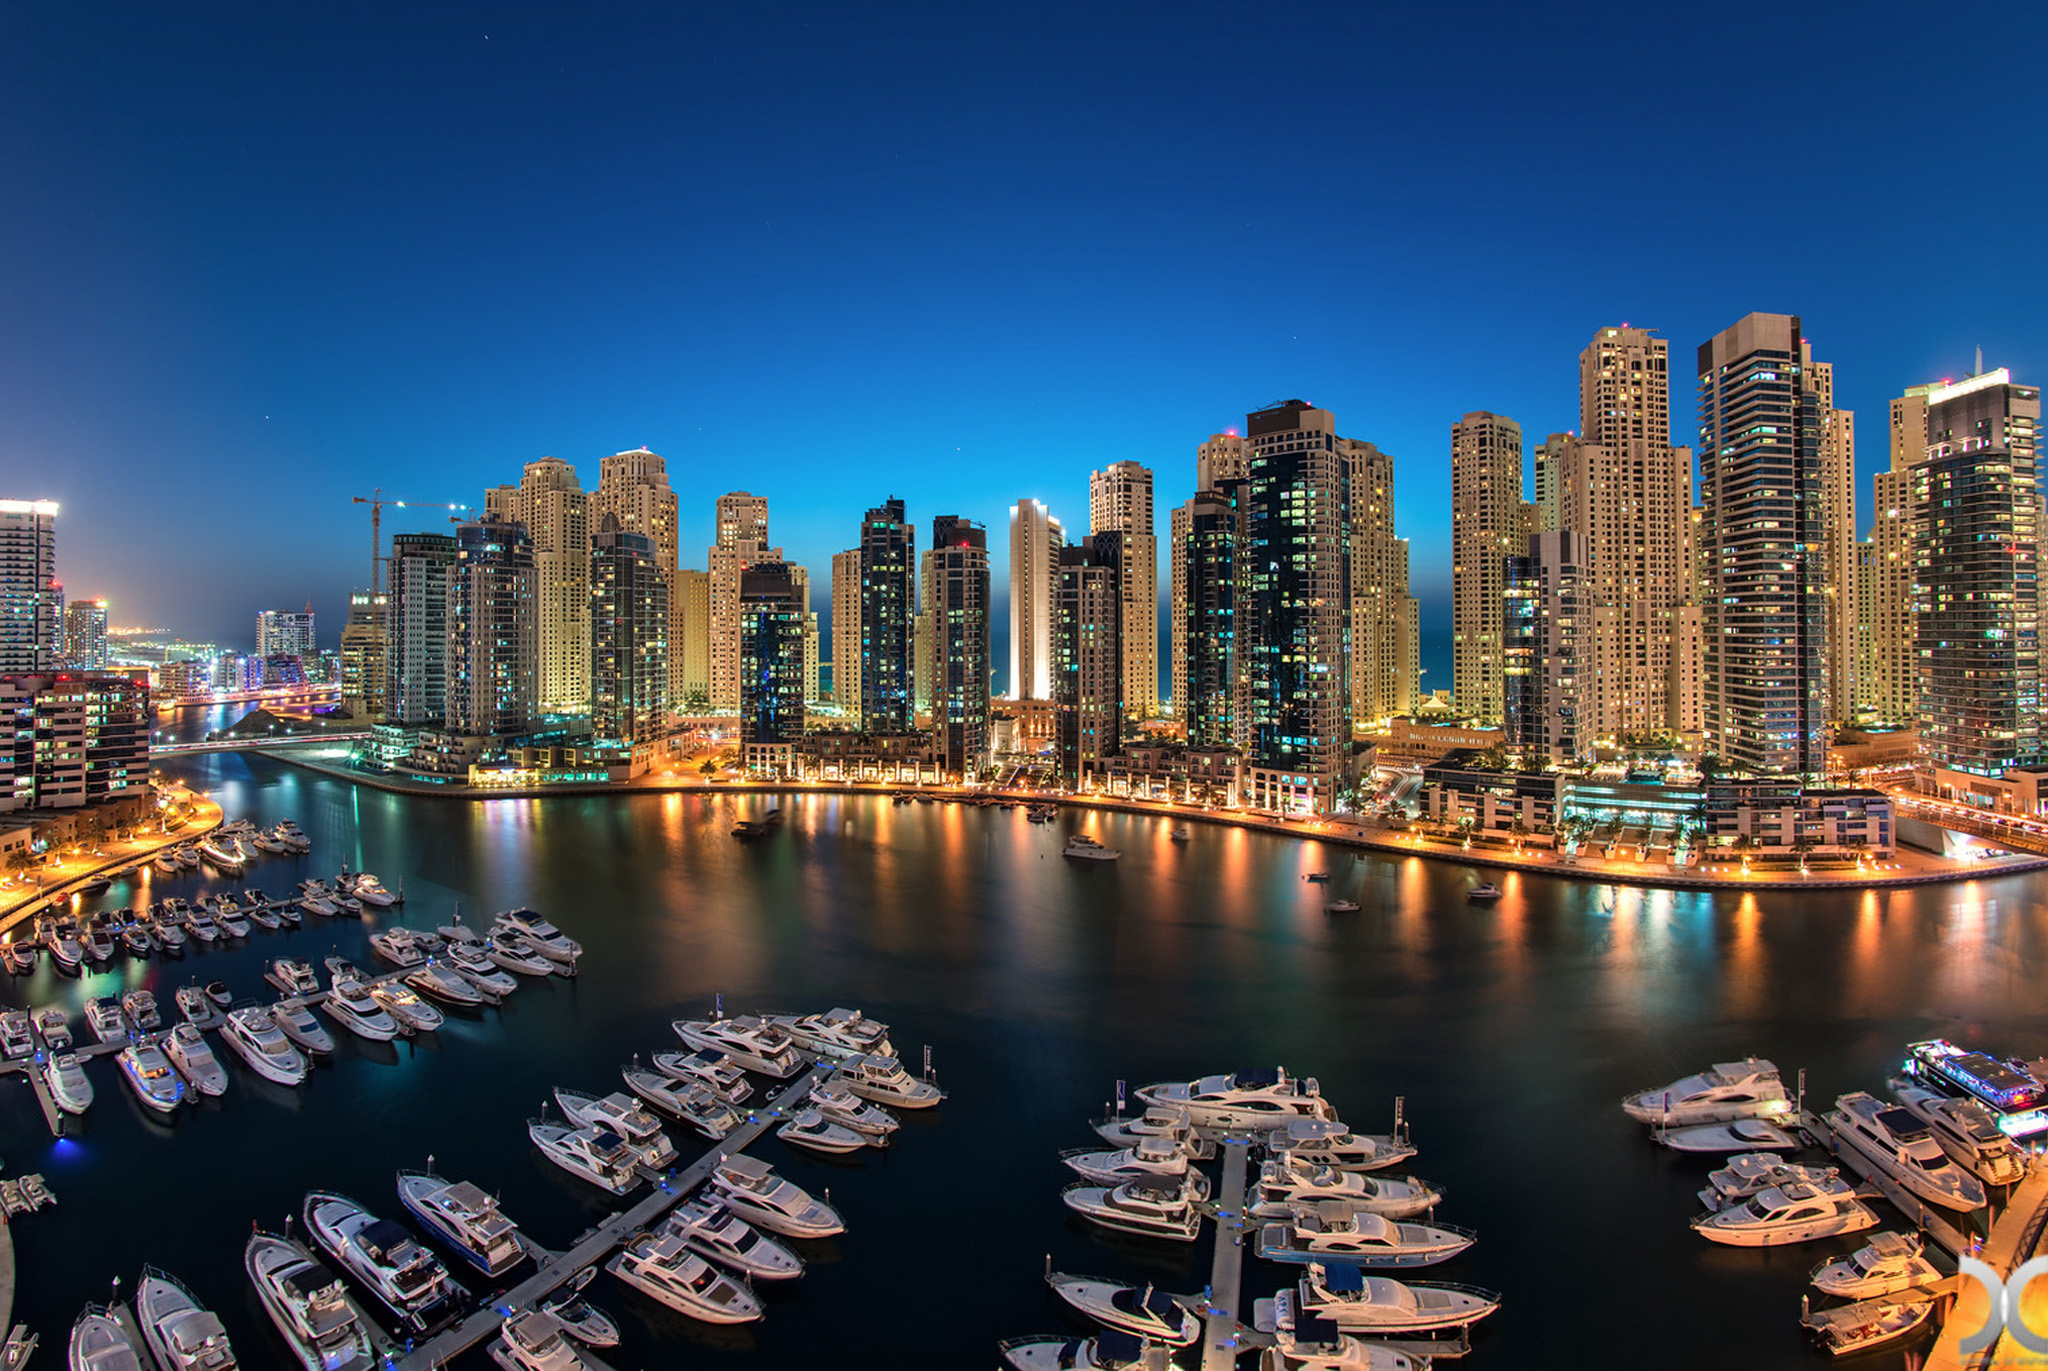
column 464, row 1217
column 255, row 1037
column 351, row 1006
column 1966, row 1130
column 140, row 1007
column 1157, row 1122
column 1332, row 1231
column 263, row 916
column 166, row 862
column 1312, row 1344
column 103, row 1016
column 288, row 832
column 1359, row 1303
column 54, row 1028
column 708, row 1228
column 299, row 1024
column 709, row 1068
column 315, row 898
column 203, row 927
column 458, row 933
column 667, row 1270
column 408, row 1279
column 579, row 1318
column 1888, row 1262
column 99, row 941
column 287, row 911
column 596, row 1155
column 228, row 917
column 169, row 938
column 308, row 1304
column 293, row 976
column 517, row 955
column 1486, row 892
column 1738, row 1135
column 65, row 949
column 1110, row 1350
column 1327, row 1142
column 221, row 857
column 135, row 938
column 152, row 1077
column 1181, row 833
column 189, row 1051
column 1749, row 1172
column 1248, row 1099
column 1340, row 906
column 2014, row 1091
column 690, row 1101
column 493, row 984
column 99, row 1342
column 65, row 1077
column 1904, row 1148
column 20, row 957
column 1145, row 1311
column 808, row 1128
column 840, row 1105
column 17, row 1039
column 188, row 858
column 836, row 1033
column 413, row 1014
column 621, row 1114
column 195, row 1007
column 552, row 942
column 531, row 1340
column 267, row 840
column 1780, row 1214
column 752, row 1042
column 340, row 968
column 1861, row 1328
column 1748, row 1089
column 1089, row 850
column 750, row 1188
column 370, row 891
column 449, row 987
column 1286, row 1180
column 1147, row 1208
column 883, row 1080
column 1147, row 1158
column 398, row 946
column 217, row 991
column 183, row 1335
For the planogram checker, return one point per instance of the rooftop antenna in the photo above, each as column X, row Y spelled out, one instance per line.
column 1980, row 361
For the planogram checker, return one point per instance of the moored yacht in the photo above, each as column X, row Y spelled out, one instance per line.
column 1888, row 1262
column 531, row 1340
column 690, row 1101
column 414, row 1015
column 65, row 1077
column 883, row 1080
column 255, row 1037
column 308, row 1304
column 99, row 1342
column 810, row 1129
column 288, row 833
column 751, row 1189
column 1158, row 1208
column 1128, row 1130
column 150, row 1075
column 299, row 1024
column 1146, row 1311
column 711, row 1230
column 840, row 1105
column 1319, row 1345
column 293, row 976
column 1248, row 1099
column 1089, row 850
column 664, row 1268
column 370, row 891
column 621, row 1114
column 54, row 1028
column 398, row 946
column 351, row 1006
column 1756, row 1135
column 593, row 1154
column 1110, row 1350
column 1359, row 1303
column 1748, row 1089
column 1799, row 1212
column 491, row 982
column 1749, row 1172
column 103, row 1016
column 517, row 955
column 189, row 1051
column 1147, row 1158
column 183, row 1335
column 1902, row 1147
column 752, row 1042
column 709, row 1068
column 1966, row 1131
column 464, row 1217
column 552, row 942
column 16, row 1041
column 140, row 1007
column 1332, row 1232
column 1286, row 1180
column 445, row 985
column 382, row 1253
column 836, row 1033
column 1327, row 1142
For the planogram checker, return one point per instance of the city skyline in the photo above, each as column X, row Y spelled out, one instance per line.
column 434, row 361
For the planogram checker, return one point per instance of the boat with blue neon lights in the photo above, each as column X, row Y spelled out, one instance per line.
column 2016, row 1096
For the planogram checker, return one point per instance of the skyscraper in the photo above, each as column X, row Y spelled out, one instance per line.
column 1837, row 541
column 281, row 633
column 846, row 589
column 1765, row 622
column 493, row 632
column 1088, row 655
column 742, row 538
column 1548, row 460
column 629, row 622
column 1221, row 457
column 421, row 564
column 365, row 658
column 956, row 596
column 1976, row 549
column 633, row 488
column 1120, row 501
column 1294, row 614
column 1381, row 685
column 1539, row 648
column 552, row 506
column 1486, row 528
column 30, row 627
column 693, row 623
column 1888, row 682
column 888, row 606
column 771, row 656
column 1035, row 542
column 85, row 635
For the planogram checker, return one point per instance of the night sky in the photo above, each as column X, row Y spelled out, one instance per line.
column 258, row 259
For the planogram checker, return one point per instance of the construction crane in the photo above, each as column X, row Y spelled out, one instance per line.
column 376, row 500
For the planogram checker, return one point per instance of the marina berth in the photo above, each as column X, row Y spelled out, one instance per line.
column 534, row 1341
column 1748, row 1089
column 67, row 1083
column 1328, row 1142
column 596, row 1155
column 689, row 1101
column 465, row 1218
column 150, row 1075
column 1799, row 1212
column 1109, row 1350
column 1359, row 1303
column 382, row 1254
column 711, row 1230
column 1247, row 1099
column 883, row 1080
column 189, row 1051
column 1149, row 1208
column 621, row 1114
column 1888, row 1262
column 664, row 1268
column 709, row 1068
column 183, row 1335
column 298, row 1023
column 100, row 1343
column 1333, row 1232
column 307, row 1303
column 253, row 1035
column 1755, row 1135
column 1967, row 1131
column 751, row 1042
column 1749, row 1172
column 1896, row 1141
column 1146, row 1311
column 750, row 1188
column 836, row 1033
column 1148, row 1157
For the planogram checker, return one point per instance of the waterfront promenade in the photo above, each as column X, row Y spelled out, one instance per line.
column 21, row 901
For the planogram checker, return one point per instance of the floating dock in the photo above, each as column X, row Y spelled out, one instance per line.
column 1221, row 1328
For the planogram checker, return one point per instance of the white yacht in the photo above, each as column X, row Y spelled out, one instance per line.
column 54, row 1028
column 531, row 1340
column 189, row 1051
column 837, row 1102
column 1148, row 1208
column 807, row 1128
column 1147, row 1158
column 1800, row 1212
column 103, row 1016
column 620, row 1113
column 263, row 916
column 1737, row 1135
column 202, row 925
column 1110, row 1350
column 368, row 889
column 1904, row 1148
column 596, row 1155
column 1319, row 1345
column 552, row 942
column 309, row 1306
column 1359, row 1303
column 66, row 1080
column 517, row 955
column 1748, row 1089
column 353, row 1007
column 708, row 1067
column 883, row 1080
column 151, row 1076
column 1966, row 1131
column 1248, row 1099
column 293, row 976
column 166, row 862
column 398, row 946
column 752, row 1042
column 1888, row 1262
column 414, row 1015
column 229, row 917
column 492, row 983
column 99, row 1342
column 1746, row 1173
column 1286, row 1180
column 464, row 1217
column 751, row 1189
column 140, row 1007
column 188, row 858
column 183, row 1335
column 1089, row 850
column 255, row 1037
column 1327, row 1142
column 316, row 898
column 299, row 1024
column 445, row 985
column 1863, row 1327
column 1333, row 1232
column 288, row 833
column 690, row 1101
column 667, row 1270
column 711, row 1230
column 1181, row 833
column 16, row 1039
column 267, row 841
column 1146, row 1311
column 408, row 1279
column 836, row 1033
column 1128, row 1130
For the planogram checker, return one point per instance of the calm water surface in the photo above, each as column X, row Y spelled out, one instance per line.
column 1512, row 1031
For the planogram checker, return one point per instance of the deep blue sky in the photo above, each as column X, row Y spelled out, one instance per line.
column 260, row 258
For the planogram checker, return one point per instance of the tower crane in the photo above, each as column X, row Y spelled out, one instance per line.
column 376, row 500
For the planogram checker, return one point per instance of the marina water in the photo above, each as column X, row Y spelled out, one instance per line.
column 1511, row 1030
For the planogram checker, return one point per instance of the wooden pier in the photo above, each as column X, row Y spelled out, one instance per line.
column 1221, row 1326
column 559, row 1268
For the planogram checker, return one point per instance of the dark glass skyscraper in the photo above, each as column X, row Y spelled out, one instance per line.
column 493, row 632
column 1209, row 649
column 629, row 618
column 771, row 654
column 957, row 601
column 888, row 604
column 1088, row 660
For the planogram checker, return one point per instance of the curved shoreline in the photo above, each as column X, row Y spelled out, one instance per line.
column 1342, row 836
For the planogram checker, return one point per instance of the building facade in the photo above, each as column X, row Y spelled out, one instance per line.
column 366, row 658
column 1036, row 540
column 629, row 623
column 956, row 596
column 30, row 597
column 1381, row 608
column 421, row 565
column 1205, row 635
column 633, row 488
column 1487, row 525
column 693, row 620
column 771, row 641
column 1088, row 655
column 846, row 589
column 85, row 635
column 1540, row 648
column 888, row 611
column 72, row 738
column 742, row 539
column 493, row 642
column 550, row 503
column 281, row 633
column 1120, row 501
